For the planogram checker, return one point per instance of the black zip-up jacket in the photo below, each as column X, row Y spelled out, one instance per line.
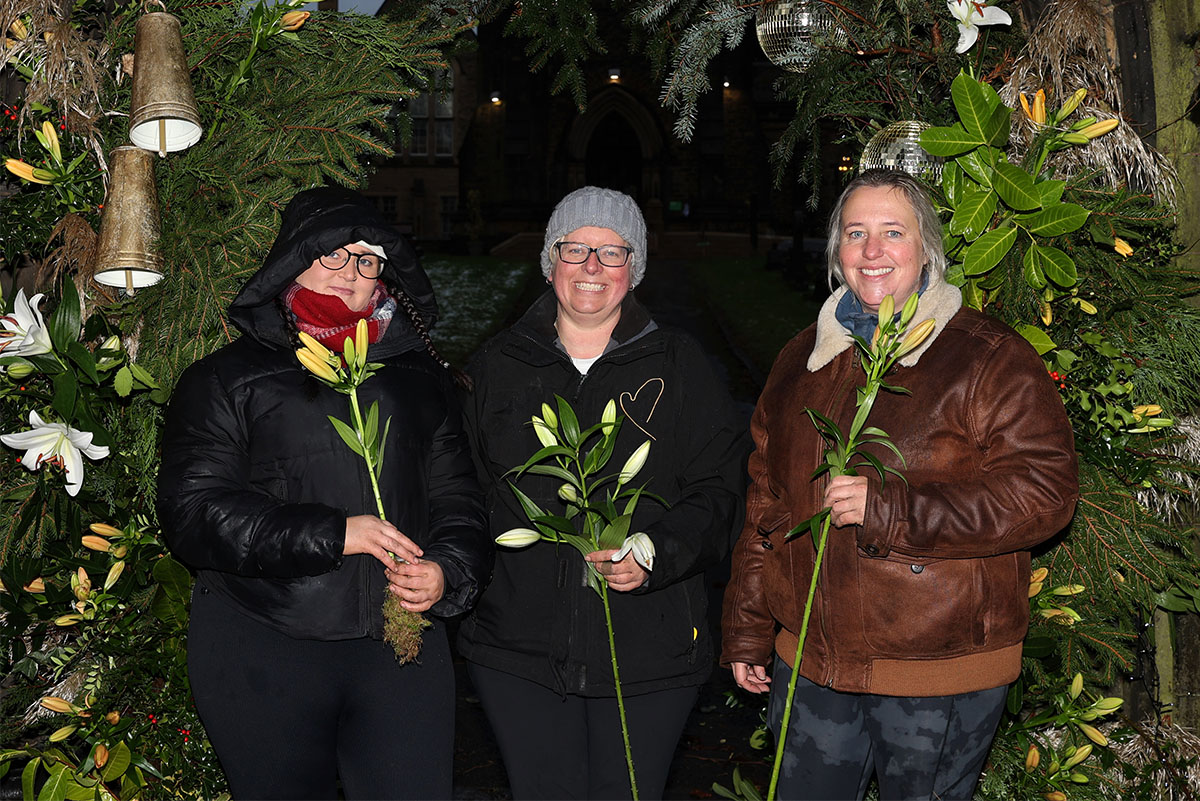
column 255, row 484
column 538, row 619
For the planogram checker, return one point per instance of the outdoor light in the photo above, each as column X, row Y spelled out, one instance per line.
column 725, row 82
column 614, row 74
column 495, row 97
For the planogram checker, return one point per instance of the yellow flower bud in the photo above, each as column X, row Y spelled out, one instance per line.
column 113, row 717
column 1147, row 410
column 100, row 756
column 114, row 573
column 316, row 365
column 37, row 586
column 20, row 370
column 1032, row 758
column 1092, row 733
column 1047, row 312
column 1099, row 128
column 294, row 20
column 27, row 172
column 94, row 543
column 887, row 309
column 120, row 551
column 1034, row 588
column 67, row 620
column 913, row 339
column 18, row 29
column 362, row 341
column 1079, row 755
column 1085, row 306
column 1122, row 247
column 56, row 704
column 63, row 733
column 1040, row 574
column 50, row 139
column 1069, row 589
column 1076, row 685
column 1072, row 103
column 105, row 530
column 316, row 347
column 550, row 417
column 1039, row 107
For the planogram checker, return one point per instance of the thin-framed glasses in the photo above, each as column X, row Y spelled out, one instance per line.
column 607, row 255
column 368, row 264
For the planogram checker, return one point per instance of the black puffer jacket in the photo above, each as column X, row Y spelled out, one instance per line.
column 255, row 484
column 538, row 619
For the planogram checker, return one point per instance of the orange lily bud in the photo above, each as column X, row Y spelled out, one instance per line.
column 113, row 717
column 27, row 172
column 1092, row 733
column 1039, row 107
column 94, row 543
column 38, row 585
column 1099, row 128
column 1122, row 247
column 1040, row 574
column 914, row 338
column 294, row 20
column 100, row 757
column 1032, row 758
column 105, row 530
column 56, row 704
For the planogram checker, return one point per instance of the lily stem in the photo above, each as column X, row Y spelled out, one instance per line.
column 359, row 429
column 612, row 650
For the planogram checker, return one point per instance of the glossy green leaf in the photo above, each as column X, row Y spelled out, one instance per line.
column 556, row 472
column 1051, row 192
column 371, row 427
column 952, row 182
column 55, row 788
column 1015, row 187
column 1058, row 266
column 568, row 421
column 1034, row 276
column 1040, row 340
column 387, row 426
column 84, row 360
column 971, row 103
column 987, row 251
column 531, row 509
column 123, row 382
column 979, row 164
column 949, row 141
column 974, row 212
column 347, row 434
column 118, row 762
column 65, row 323
column 29, row 777
column 1058, row 219
column 996, row 128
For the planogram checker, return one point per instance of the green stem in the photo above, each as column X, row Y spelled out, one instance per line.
column 787, row 708
column 359, row 429
column 612, row 650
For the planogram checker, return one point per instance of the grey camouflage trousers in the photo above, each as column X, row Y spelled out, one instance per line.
column 919, row 748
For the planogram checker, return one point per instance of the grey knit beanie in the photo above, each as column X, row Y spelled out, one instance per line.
column 601, row 208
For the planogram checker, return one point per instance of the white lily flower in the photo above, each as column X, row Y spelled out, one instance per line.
column 970, row 16
column 55, row 443
column 518, row 538
column 642, row 548
column 24, row 332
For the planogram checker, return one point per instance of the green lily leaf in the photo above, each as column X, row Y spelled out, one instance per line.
column 569, row 422
column 544, row 453
column 886, row 443
column 1059, row 219
column 371, row 427
column 556, row 472
column 531, row 509
column 987, row 251
column 347, row 434
column 65, row 323
column 1015, row 187
column 556, row 523
column 387, row 426
column 614, row 533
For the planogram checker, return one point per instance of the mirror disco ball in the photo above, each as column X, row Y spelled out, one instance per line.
column 791, row 32
column 897, row 147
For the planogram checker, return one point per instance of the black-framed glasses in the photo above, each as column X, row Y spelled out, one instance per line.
column 368, row 264
column 607, row 255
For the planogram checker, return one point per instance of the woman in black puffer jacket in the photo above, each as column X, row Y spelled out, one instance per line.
column 259, row 495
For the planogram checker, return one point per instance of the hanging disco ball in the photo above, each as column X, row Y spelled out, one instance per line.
column 791, row 32
column 898, row 147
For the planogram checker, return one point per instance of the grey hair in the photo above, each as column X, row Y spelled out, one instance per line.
column 929, row 226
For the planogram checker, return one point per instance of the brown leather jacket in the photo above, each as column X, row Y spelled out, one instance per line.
column 929, row 595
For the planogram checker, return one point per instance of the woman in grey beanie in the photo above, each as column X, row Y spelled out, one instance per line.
column 537, row 645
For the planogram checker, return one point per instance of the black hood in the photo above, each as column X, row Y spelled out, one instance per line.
column 315, row 222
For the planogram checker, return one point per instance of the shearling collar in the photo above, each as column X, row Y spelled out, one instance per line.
column 939, row 302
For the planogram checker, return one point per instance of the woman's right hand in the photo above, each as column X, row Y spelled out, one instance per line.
column 752, row 678
column 370, row 535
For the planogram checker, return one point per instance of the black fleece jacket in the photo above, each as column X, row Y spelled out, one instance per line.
column 255, row 484
column 539, row 619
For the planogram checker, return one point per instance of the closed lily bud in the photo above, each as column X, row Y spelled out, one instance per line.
column 94, row 543
column 114, row 573
column 18, row 371
column 1076, row 685
column 294, row 20
column 1047, row 312
column 1055, row 795
column 67, row 620
column 1099, row 128
column 549, row 416
column 362, row 334
column 120, row 551
column 1092, row 733
column 63, row 733
column 634, row 463
column 913, row 339
column 1072, row 103
column 1039, row 107
column 105, row 530
column 1034, row 588
column 49, row 139
column 887, row 309
column 100, row 756
column 348, row 350
column 37, row 586
column 316, row 365
column 1085, row 306
column 567, row 493
column 18, row 29
column 81, row 585
column 1069, row 589
column 28, row 172
column 1106, row 705
column 1040, row 574
column 609, row 415
column 518, row 538
column 544, row 434
column 113, row 717
column 1080, row 754
column 1074, row 138
column 308, row 341
column 1147, row 410
column 1122, row 247
column 1032, row 758
column 56, row 704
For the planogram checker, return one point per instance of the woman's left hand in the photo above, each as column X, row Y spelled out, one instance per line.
column 621, row 576
column 419, row 584
column 846, row 497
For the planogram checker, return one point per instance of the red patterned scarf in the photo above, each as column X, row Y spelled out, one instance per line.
column 329, row 321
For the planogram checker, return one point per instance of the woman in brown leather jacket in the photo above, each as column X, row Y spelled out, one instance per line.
column 921, row 608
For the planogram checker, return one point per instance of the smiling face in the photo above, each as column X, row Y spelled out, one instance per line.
column 880, row 246
column 590, row 294
column 354, row 290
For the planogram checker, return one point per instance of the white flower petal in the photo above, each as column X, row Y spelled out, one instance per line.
column 47, row 442
column 642, row 548
column 992, row 16
column 73, row 464
column 967, row 35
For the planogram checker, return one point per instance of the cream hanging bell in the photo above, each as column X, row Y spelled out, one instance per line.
column 162, row 115
column 129, row 227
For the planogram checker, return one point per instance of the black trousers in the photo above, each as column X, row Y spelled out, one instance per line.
column 919, row 748
column 288, row 718
column 564, row 748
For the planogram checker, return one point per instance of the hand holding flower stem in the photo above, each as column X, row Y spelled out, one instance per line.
column 567, row 455
column 889, row 344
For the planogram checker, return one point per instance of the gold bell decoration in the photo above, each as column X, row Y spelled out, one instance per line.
column 129, row 227
column 162, row 115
